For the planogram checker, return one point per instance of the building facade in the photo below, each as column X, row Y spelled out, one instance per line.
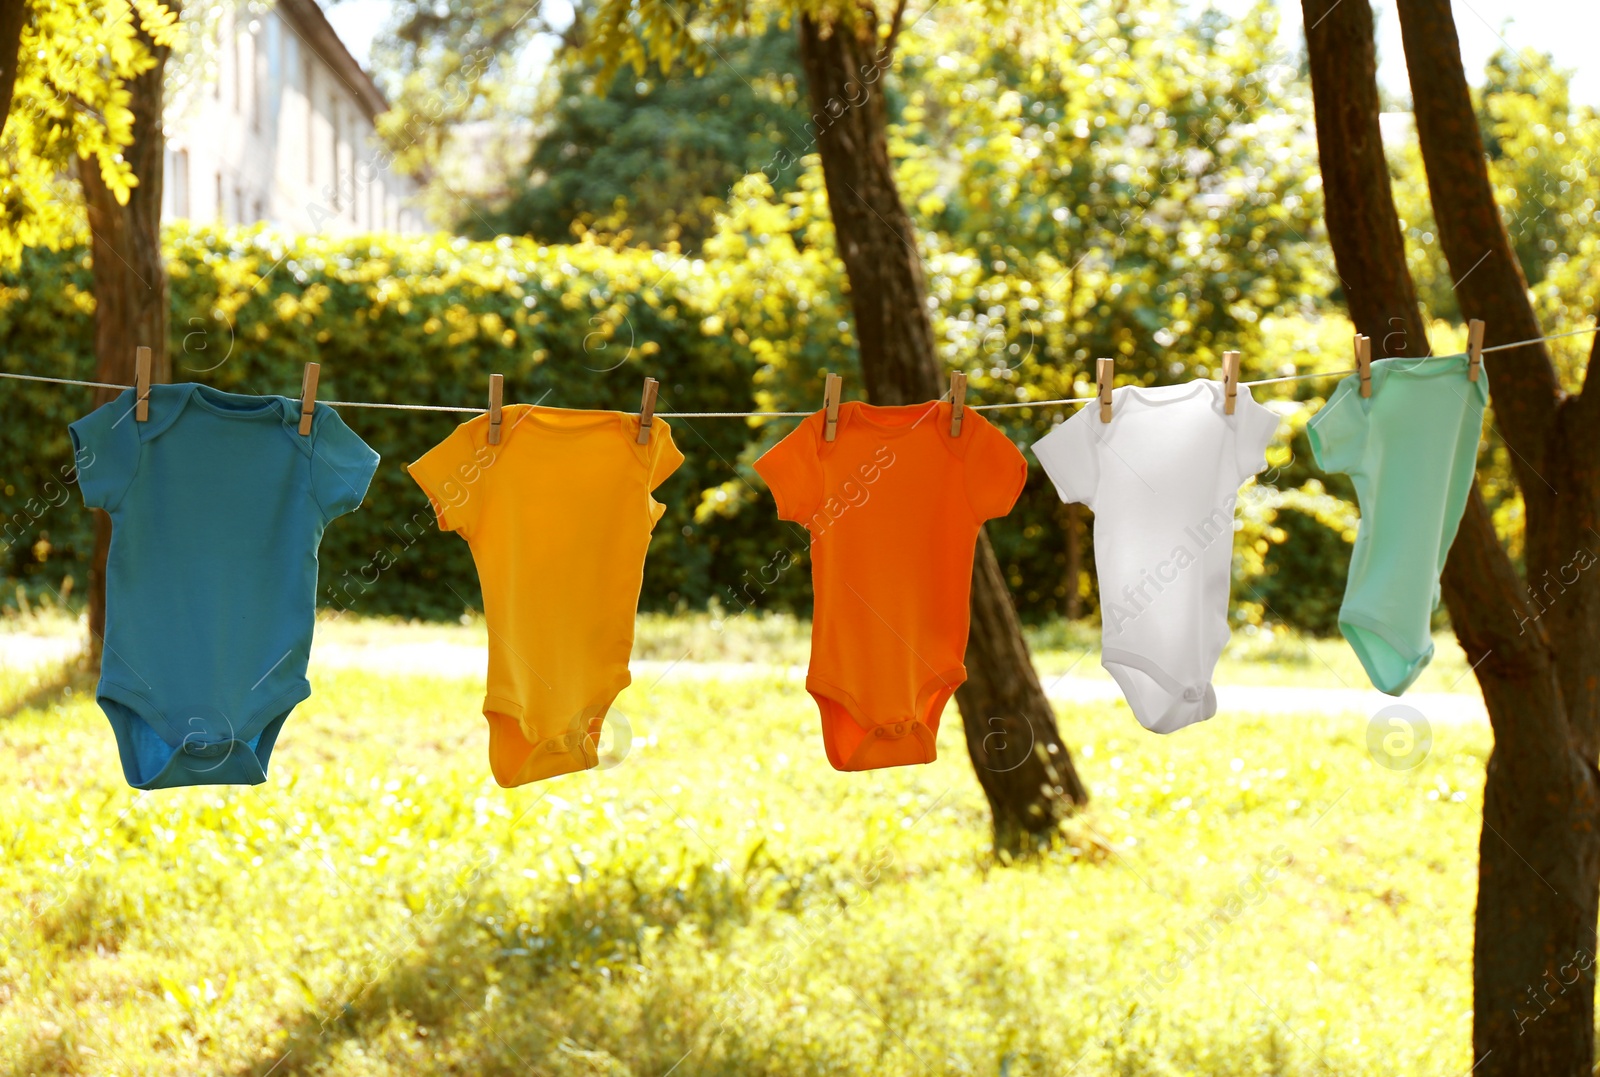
column 284, row 133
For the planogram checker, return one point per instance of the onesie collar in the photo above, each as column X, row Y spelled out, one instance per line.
column 893, row 420
column 239, row 405
column 167, row 402
column 897, row 421
column 1432, row 366
column 559, row 421
column 1156, row 396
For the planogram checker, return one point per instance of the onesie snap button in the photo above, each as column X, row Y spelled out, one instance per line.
column 206, row 749
column 1193, row 695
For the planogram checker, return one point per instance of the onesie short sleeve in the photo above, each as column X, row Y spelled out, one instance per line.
column 342, row 464
column 1338, row 432
column 794, row 474
column 1257, row 425
column 996, row 471
column 105, row 450
column 665, row 458
column 1070, row 458
column 449, row 474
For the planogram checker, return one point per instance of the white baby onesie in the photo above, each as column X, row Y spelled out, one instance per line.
column 1162, row 478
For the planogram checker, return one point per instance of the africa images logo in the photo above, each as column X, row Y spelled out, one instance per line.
column 1199, row 537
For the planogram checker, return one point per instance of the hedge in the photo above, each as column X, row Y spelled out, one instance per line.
column 426, row 321
column 389, row 319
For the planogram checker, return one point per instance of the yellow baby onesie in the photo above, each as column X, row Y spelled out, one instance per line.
column 558, row 516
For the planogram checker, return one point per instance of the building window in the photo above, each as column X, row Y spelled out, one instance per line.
column 274, row 73
column 311, row 126
column 255, row 80
column 238, row 73
column 180, row 184
column 333, row 148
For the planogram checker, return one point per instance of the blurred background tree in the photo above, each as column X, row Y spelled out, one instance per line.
column 67, row 101
column 653, row 157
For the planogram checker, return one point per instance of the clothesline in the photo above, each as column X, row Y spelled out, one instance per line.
column 802, row 414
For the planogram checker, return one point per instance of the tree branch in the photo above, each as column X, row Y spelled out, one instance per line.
column 1586, row 406
column 13, row 17
column 1363, row 225
column 1489, row 283
column 894, row 28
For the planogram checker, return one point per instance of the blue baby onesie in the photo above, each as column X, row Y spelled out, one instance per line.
column 217, row 506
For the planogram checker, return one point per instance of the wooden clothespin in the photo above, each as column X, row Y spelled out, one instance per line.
column 141, row 385
column 1230, row 381
column 308, row 396
column 1363, row 346
column 958, row 401
column 497, row 388
column 647, row 409
column 1103, row 371
column 830, row 405
column 1474, row 348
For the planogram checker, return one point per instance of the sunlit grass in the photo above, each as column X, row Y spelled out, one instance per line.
column 1253, row 656
column 1248, row 896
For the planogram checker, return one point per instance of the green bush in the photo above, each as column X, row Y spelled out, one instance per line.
column 391, row 319
column 426, row 320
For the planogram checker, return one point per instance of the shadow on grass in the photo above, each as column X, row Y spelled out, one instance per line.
column 56, row 1057
column 52, row 683
column 557, row 984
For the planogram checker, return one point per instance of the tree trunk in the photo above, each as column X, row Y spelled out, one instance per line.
column 1025, row 770
column 1539, row 855
column 1363, row 226
column 1539, row 852
column 13, row 17
column 130, row 282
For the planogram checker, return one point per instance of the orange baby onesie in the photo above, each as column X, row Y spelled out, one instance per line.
column 558, row 516
column 893, row 505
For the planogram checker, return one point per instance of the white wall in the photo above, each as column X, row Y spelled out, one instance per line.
column 279, row 137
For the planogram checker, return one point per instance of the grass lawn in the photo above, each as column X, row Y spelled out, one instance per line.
column 1249, row 896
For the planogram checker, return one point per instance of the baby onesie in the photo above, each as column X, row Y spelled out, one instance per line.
column 1162, row 478
column 1410, row 449
column 558, row 516
column 892, row 506
column 217, row 507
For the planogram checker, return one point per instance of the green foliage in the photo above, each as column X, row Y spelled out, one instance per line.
column 1129, row 184
column 418, row 321
column 1543, row 156
column 445, row 63
column 70, row 110
column 765, row 310
column 1542, row 153
column 426, row 321
column 1256, row 899
column 1126, row 183
column 655, row 156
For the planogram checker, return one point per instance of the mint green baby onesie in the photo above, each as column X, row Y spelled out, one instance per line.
column 1410, row 448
